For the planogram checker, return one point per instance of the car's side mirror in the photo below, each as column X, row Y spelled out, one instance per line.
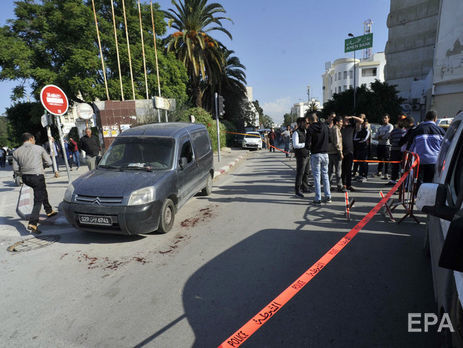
column 431, row 199
column 183, row 162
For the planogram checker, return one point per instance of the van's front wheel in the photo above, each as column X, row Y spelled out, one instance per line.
column 167, row 216
column 206, row 191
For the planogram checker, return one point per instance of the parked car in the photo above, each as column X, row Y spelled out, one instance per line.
column 9, row 156
column 252, row 140
column 147, row 174
column 444, row 122
column 443, row 202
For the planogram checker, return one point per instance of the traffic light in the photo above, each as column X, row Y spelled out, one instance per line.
column 221, row 105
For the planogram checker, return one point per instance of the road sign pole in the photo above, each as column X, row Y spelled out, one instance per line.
column 355, row 82
column 51, row 144
column 65, row 154
column 216, row 97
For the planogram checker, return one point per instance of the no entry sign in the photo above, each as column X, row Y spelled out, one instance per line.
column 54, row 100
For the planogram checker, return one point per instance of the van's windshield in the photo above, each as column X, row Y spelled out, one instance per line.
column 144, row 153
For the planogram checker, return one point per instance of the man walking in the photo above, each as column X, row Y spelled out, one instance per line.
column 2, row 157
column 301, row 153
column 271, row 138
column 28, row 163
column 286, row 135
column 75, row 152
column 91, row 145
column 317, row 139
column 384, row 146
column 347, row 133
column 427, row 140
column 335, row 151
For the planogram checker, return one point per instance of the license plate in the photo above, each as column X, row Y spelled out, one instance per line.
column 95, row 220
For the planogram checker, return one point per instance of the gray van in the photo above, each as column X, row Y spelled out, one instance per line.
column 146, row 175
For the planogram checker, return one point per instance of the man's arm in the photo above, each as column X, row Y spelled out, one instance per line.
column 296, row 143
column 46, row 157
column 16, row 167
column 355, row 118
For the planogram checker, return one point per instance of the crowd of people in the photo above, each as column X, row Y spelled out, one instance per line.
column 336, row 150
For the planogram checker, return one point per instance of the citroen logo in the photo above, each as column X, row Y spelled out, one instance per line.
column 97, row 201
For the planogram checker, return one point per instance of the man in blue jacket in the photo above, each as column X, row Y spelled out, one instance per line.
column 427, row 139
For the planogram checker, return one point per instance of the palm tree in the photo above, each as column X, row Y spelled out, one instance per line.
column 200, row 53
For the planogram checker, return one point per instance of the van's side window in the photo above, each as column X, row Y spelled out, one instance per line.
column 201, row 142
column 187, row 151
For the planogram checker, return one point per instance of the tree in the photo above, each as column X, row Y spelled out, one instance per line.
column 202, row 55
column 266, row 121
column 382, row 98
column 55, row 41
column 5, row 129
column 288, row 119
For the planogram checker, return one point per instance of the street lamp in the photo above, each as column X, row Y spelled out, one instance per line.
column 355, row 84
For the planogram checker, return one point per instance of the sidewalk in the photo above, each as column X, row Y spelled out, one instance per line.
column 229, row 157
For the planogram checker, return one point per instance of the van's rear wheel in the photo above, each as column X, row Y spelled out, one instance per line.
column 206, row 191
column 167, row 216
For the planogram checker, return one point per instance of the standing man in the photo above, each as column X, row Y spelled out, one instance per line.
column 347, row 133
column 335, row 151
column 318, row 138
column 91, row 145
column 361, row 138
column 286, row 135
column 427, row 141
column 2, row 157
column 384, row 146
column 28, row 163
column 301, row 152
column 396, row 154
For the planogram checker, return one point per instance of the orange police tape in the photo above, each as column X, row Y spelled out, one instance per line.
column 375, row 161
column 246, row 331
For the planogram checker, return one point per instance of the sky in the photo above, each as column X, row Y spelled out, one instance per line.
column 283, row 44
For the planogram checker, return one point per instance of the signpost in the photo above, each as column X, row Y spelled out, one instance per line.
column 354, row 44
column 85, row 112
column 216, row 98
column 56, row 103
column 167, row 104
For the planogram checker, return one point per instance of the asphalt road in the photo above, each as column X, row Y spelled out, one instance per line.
column 227, row 256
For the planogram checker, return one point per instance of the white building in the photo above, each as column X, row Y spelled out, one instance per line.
column 250, row 99
column 299, row 109
column 339, row 75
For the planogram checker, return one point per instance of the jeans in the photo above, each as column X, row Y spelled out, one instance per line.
column 384, row 154
column 37, row 182
column 334, row 167
column 319, row 163
column 287, row 147
column 76, row 159
column 347, row 169
column 302, row 173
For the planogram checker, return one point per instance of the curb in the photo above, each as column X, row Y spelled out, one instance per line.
column 229, row 166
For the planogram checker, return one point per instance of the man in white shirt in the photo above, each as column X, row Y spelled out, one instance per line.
column 384, row 146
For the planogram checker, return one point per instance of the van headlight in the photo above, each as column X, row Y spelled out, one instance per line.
column 142, row 196
column 69, row 192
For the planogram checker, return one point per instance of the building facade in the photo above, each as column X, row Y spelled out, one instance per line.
column 447, row 92
column 339, row 75
column 410, row 51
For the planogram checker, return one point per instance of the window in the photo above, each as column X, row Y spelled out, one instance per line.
column 350, row 86
column 344, row 88
column 339, row 75
column 368, row 72
column 446, row 145
column 345, row 75
column 339, row 89
column 201, row 142
column 187, row 152
column 351, row 74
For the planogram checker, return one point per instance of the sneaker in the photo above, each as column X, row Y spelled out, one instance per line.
column 33, row 229
column 328, row 200
column 52, row 213
column 299, row 194
column 317, row 202
column 378, row 174
column 363, row 179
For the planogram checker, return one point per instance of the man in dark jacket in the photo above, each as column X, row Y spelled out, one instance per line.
column 301, row 152
column 348, row 150
column 91, row 145
column 427, row 141
column 317, row 140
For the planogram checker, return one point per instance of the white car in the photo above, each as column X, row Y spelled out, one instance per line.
column 445, row 122
column 443, row 202
column 252, row 140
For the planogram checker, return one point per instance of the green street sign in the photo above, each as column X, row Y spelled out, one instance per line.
column 358, row 43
